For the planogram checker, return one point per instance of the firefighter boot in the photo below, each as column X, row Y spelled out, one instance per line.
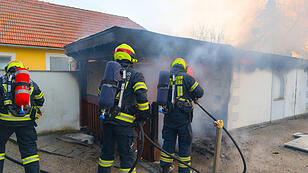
column 165, row 169
column 32, row 167
column 1, row 165
column 104, row 170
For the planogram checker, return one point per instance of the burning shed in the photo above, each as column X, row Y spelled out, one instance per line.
column 241, row 87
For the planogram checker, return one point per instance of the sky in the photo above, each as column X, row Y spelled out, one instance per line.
column 272, row 26
column 175, row 17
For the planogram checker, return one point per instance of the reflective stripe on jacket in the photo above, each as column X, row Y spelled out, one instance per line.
column 6, row 117
column 134, row 98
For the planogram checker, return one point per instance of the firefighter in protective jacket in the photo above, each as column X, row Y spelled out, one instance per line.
column 178, row 117
column 22, row 123
column 135, row 107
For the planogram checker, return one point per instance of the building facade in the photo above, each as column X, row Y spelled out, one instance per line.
column 35, row 33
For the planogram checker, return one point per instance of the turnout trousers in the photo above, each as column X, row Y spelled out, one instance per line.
column 126, row 138
column 26, row 139
column 170, row 135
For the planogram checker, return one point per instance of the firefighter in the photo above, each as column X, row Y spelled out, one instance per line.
column 120, row 128
column 22, row 125
column 178, row 116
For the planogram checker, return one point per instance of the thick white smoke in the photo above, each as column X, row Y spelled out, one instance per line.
column 280, row 27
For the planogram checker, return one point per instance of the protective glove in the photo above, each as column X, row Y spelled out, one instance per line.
column 196, row 101
column 142, row 116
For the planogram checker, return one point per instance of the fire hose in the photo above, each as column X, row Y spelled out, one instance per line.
column 19, row 163
column 238, row 148
column 159, row 148
column 139, row 125
column 142, row 135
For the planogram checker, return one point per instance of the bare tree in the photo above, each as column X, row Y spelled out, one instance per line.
column 210, row 34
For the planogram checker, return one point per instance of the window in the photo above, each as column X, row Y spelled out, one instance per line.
column 60, row 62
column 5, row 58
column 278, row 86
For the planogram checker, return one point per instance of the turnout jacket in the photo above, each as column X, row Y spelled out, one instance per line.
column 186, row 90
column 7, row 118
column 134, row 101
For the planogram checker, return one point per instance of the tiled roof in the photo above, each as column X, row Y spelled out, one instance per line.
column 37, row 23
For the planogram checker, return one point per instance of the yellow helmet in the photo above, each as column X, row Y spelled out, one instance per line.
column 125, row 52
column 12, row 64
column 179, row 61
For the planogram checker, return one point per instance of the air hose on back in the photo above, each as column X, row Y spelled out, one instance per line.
column 237, row 147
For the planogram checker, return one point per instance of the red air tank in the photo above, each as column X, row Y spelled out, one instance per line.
column 22, row 89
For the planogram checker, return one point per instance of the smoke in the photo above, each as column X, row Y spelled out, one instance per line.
column 280, row 27
column 263, row 25
column 234, row 18
column 212, row 68
column 270, row 26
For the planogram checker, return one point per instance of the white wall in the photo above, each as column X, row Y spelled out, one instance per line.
column 295, row 88
column 62, row 101
column 250, row 98
column 301, row 96
column 253, row 100
column 290, row 79
column 61, row 109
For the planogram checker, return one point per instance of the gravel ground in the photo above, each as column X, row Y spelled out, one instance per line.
column 262, row 147
column 81, row 163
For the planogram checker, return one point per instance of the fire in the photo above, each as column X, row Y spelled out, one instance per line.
column 270, row 26
column 296, row 55
column 279, row 27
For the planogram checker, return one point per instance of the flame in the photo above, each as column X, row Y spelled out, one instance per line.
column 295, row 54
column 271, row 26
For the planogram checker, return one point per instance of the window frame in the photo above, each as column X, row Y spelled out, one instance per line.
column 11, row 55
column 60, row 55
column 282, row 86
